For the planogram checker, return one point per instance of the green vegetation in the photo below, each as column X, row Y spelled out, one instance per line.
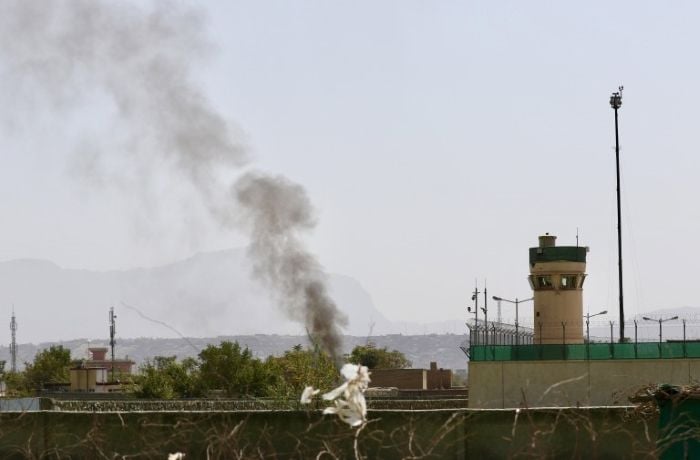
column 234, row 372
column 165, row 378
column 378, row 358
column 50, row 366
column 299, row 368
column 227, row 369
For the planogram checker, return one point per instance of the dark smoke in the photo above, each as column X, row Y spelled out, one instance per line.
column 141, row 60
column 56, row 51
column 278, row 212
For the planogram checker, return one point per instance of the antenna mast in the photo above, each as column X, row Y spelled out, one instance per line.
column 112, row 332
column 616, row 103
column 13, row 343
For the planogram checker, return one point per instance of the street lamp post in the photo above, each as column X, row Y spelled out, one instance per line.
column 516, row 302
column 661, row 321
column 588, row 317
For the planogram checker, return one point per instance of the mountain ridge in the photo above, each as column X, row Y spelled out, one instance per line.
column 207, row 294
column 419, row 349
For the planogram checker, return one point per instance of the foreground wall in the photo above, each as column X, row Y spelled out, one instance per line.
column 444, row 434
column 502, row 384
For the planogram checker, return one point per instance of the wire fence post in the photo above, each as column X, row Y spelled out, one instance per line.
column 493, row 336
column 612, row 340
column 685, row 354
column 635, row 338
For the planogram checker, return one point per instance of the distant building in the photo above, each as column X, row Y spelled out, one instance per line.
column 94, row 375
column 413, row 379
column 99, row 359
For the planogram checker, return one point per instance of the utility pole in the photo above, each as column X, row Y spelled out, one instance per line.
column 112, row 332
column 13, row 343
column 616, row 103
column 475, row 297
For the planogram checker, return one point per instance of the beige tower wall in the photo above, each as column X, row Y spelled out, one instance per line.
column 558, row 304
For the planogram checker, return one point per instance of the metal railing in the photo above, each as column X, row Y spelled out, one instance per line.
column 643, row 340
column 585, row 351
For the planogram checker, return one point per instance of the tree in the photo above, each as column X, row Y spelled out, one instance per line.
column 378, row 358
column 153, row 382
column 299, row 368
column 165, row 378
column 49, row 366
column 234, row 370
column 16, row 384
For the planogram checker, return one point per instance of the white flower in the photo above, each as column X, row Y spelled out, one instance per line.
column 349, row 371
column 176, row 456
column 307, row 394
column 352, row 407
column 348, row 413
column 335, row 392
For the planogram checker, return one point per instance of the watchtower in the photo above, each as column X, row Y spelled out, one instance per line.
column 557, row 274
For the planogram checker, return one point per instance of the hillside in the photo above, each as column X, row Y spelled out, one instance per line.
column 208, row 295
column 420, row 349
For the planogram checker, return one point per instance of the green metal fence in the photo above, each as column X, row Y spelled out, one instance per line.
column 645, row 350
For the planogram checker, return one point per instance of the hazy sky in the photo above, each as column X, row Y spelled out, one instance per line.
column 436, row 139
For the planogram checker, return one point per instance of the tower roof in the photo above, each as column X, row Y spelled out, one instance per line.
column 547, row 251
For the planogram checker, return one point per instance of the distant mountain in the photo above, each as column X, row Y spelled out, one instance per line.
column 209, row 294
column 419, row 349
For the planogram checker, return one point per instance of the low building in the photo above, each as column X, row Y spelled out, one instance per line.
column 95, row 375
column 413, row 379
column 99, row 359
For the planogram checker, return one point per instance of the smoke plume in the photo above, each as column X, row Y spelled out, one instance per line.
column 55, row 52
column 278, row 211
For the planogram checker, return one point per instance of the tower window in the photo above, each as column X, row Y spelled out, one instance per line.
column 581, row 279
column 544, row 282
column 568, row 282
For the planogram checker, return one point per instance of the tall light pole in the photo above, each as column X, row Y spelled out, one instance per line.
column 516, row 302
column 661, row 321
column 588, row 317
column 616, row 103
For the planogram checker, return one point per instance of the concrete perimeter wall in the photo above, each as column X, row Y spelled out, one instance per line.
column 503, row 384
column 620, row 432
